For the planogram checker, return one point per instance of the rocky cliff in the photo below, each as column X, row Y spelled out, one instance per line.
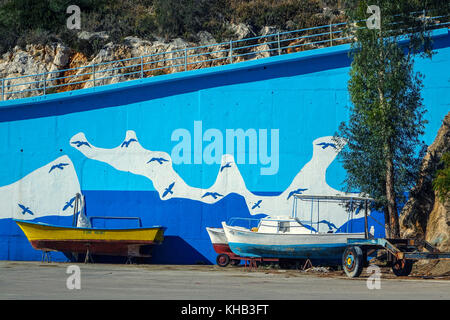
column 424, row 215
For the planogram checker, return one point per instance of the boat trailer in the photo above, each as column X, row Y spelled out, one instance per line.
column 402, row 253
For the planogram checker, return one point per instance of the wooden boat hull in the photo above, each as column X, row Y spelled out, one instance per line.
column 321, row 247
column 120, row 242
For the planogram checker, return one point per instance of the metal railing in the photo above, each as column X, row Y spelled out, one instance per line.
column 183, row 59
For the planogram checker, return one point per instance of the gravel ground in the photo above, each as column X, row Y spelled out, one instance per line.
column 36, row 280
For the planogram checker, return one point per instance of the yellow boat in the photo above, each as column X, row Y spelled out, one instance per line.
column 136, row 242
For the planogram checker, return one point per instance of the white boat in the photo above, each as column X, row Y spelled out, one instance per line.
column 217, row 236
column 220, row 244
column 288, row 238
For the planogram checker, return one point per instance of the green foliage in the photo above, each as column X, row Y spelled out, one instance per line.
column 39, row 22
column 31, row 21
column 441, row 183
column 260, row 13
column 187, row 17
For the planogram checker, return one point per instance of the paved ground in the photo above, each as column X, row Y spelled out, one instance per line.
column 35, row 280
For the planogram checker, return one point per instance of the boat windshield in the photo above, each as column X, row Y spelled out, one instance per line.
column 248, row 223
column 327, row 214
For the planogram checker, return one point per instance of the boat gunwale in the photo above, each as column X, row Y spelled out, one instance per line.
column 43, row 224
column 248, row 231
column 95, row 241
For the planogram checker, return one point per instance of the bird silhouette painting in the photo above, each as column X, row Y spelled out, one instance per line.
column 325, row 145
column 25, row 209
column 69, row 204
column 168, row 183
column 81, row 143
column 298, row 191
column 127, row 143
column 256, row 205
column 212, row 194
column 58, row 166
column 227, row 165
column 168, row 190
column 330, row 225
column 159, row 160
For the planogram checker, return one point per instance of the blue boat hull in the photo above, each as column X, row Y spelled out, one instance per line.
column 324, row 252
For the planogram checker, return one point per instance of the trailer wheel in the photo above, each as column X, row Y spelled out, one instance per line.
column 352, row 261
column 222, row 260
column 402, row 267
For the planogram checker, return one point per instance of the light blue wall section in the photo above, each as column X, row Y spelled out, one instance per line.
column 303, row 95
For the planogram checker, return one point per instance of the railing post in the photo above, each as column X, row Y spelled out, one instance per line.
column 231, row 51
column 45, row 83
column 3, row 89
column 331, row 36
column 93, row 72
column 424, row 20
column 185, row 59
column 279, row 46
column 142, row 67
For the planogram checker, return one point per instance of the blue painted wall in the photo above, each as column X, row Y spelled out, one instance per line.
column 304, row 95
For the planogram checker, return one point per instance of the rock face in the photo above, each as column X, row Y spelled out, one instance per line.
column 166, row 57
column 415, row 215
column 438, row 227
column 34, row 59
column 424, row 216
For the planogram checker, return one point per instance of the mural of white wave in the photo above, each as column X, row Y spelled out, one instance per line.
column 131, row 157
column 49, row 190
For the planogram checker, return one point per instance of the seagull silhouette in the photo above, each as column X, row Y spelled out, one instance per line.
column 298, row 191
column 227, row 165
column 127, row 143
column 256, row 205
column 325, row 145
column 25, row 209
column 159, row 160
column 212, row 194
column 81, row 143
column 58, row 166
column 69, row 204
column 168, row 189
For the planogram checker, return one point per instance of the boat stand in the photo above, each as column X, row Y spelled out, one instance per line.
column 307, row 265
column 88, row 257
column 130, row 260
column 46, row 257
column 254, row 262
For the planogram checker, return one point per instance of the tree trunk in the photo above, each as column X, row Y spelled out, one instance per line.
column 391, row 215
column 387, row 219
column 390, row 196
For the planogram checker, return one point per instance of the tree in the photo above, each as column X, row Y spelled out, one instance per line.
column 383, row 151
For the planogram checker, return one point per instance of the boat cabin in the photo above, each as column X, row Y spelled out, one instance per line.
column 282, row 225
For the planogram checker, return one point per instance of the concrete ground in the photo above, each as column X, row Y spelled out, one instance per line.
column 36, row 280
